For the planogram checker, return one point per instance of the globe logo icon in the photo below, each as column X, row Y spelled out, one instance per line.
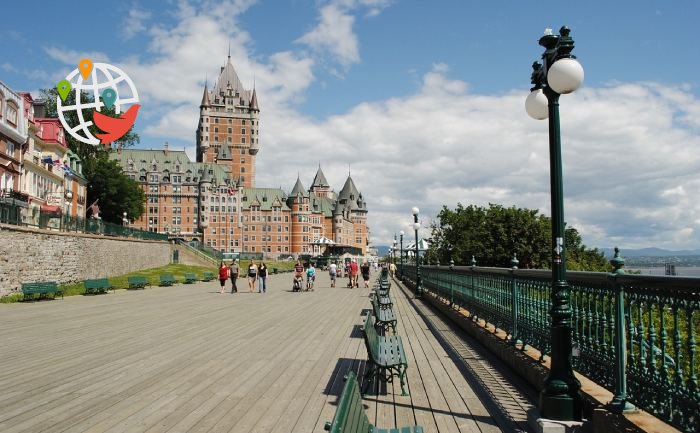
column 107, row 84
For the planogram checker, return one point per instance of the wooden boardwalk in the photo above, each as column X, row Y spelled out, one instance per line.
column 188, row 359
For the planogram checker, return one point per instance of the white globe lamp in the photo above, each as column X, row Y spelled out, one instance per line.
column 536, row 105
column 565, row 75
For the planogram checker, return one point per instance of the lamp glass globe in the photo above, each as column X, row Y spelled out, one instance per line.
column 536, row 105
column 565, row 75
column 416, row 226
column 402, row 233
column 415, row 210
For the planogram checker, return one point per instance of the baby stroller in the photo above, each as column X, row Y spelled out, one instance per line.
column 298, row 283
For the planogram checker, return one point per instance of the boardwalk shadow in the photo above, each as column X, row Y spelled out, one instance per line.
column 343, row 366
column 356, row 332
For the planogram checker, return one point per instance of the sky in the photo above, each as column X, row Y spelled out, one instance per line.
column 422, row 102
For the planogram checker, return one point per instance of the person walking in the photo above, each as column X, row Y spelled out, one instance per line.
column 223, row 276
column 298, row 276
column 262, row 277
column 252, row 276
column 365, row 272
column 234, row 270
column 348, row 272
column 354, row 269
column 332, row 272
column 310, row 277
column 392, row 269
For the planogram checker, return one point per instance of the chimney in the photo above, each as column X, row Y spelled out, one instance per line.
column 39, row 108
column 165, row 148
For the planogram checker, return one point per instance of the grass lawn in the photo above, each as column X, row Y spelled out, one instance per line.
column 153, row 277
column 120, row 281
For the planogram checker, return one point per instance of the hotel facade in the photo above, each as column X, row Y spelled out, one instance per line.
column 214, row 200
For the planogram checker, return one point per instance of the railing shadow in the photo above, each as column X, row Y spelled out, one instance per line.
column 499, row 412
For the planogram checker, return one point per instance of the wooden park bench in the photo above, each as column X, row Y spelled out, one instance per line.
column 137, row 282
column 384, row 317
column 40, row 289
column 350, row 416
column 386, row 357
column 167, row 280
column 190, row 278
column 98, row 285
column 208, row 276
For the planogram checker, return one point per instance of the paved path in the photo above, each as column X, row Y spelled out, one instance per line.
column 188, row 359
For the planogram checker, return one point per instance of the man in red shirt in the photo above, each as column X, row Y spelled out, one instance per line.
column 354, row 269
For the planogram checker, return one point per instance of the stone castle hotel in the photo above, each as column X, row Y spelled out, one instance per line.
column 215, row 200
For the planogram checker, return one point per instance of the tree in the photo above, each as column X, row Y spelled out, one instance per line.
column 116, row 192
column 107, row 182
column 493, row 234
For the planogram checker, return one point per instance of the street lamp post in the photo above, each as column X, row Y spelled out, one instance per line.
column 401, row 233
column 559, row 73
column 393, row 251
column 416, row 225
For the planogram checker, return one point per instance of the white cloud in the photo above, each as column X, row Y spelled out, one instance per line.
column 334, row 35
column 135, row 22
column 631, row 167
column 7, row 67
column 631, row 170
column 72, row 57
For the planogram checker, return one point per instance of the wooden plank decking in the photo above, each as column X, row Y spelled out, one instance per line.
column 188, row 359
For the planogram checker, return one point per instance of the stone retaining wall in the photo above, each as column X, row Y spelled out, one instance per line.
column 43, row 255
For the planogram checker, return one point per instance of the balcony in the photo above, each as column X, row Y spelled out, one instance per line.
column 11, row 197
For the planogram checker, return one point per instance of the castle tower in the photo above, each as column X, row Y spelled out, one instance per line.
column 298, row 201
column 228, row 130
column 320, row 185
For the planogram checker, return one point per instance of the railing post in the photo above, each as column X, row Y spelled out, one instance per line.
column 470, row 308
column 514, row 299
column 619, row 402
column 452, row 284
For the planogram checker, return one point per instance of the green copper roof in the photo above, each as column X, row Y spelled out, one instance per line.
column 170, row 160
column 265, row 197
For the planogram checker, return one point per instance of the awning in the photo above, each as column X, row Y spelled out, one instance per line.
column 50, row 208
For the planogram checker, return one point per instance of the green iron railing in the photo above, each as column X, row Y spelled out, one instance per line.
column 633, row 334
column 10, row 214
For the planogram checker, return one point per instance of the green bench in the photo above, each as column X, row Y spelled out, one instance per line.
column 386, row 357
column 98, row 285
column 137, row 282
column 190, row 278
column 384, row 317
column 40, row 289
column 167, row 280
column 208, row 276
column 350, row 416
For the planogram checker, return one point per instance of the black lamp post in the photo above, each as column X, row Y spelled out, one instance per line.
column 416, row 225
column 393, row 251
column 559, row 73
column 401, row 233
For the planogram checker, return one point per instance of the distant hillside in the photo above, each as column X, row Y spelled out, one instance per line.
column 650, row 252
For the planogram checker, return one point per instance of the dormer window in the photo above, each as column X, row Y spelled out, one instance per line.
column 11, row 113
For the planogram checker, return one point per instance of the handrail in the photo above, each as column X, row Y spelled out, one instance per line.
column 632, row 334
column 198, row 252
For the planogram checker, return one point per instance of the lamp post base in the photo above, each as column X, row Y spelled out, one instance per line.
column 545, row 425
column 561, row 407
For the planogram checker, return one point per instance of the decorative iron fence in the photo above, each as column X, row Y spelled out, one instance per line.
column 10, row 214
column 657, row 316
